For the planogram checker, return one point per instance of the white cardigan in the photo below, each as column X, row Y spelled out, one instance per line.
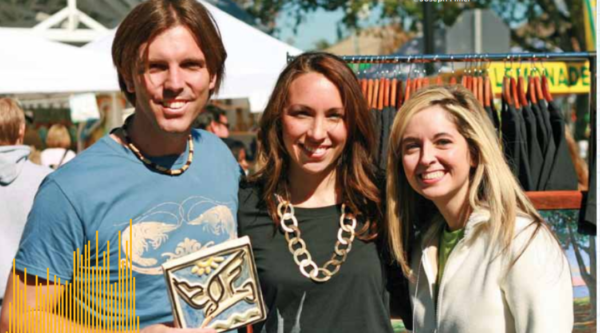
column 478, row 293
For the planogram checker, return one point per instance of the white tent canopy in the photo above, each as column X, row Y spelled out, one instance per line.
column 31, row 64
column 254, row 59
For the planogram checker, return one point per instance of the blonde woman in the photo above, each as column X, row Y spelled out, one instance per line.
column 484, row 260
column 57, row 150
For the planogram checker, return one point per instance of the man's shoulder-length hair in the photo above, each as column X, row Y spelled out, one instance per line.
column 151, row 18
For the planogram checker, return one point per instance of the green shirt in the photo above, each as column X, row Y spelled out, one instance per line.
column 448, row 241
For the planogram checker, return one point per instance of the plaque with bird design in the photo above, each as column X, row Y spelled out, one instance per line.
column 216, row 287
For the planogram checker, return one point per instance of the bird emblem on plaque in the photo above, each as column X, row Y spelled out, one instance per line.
column 216, row 287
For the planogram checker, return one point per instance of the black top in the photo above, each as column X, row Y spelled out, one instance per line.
column 587, row 218
column 353, row 300
column 548, row 146
column 536, row 157
column 377, row 117
column 524, row 176
column 510, row 137
column 387, row 116
column 562, row 176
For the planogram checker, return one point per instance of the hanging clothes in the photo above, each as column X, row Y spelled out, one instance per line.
column 535, row 156
column 525, row 177
column 377, row 126
column 387, row 119
column 543, row 141
column 510, row 136
column 562, row 175
column 587, row 214
column 549, row 147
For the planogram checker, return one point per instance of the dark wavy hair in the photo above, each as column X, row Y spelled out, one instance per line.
column 356, row 172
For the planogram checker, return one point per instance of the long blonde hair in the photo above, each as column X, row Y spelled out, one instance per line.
column 492, row 184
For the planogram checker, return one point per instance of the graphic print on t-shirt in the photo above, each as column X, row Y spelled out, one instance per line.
column 207, row 222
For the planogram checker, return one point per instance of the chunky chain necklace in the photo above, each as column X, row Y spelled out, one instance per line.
column 155, row 166
column 298, row 249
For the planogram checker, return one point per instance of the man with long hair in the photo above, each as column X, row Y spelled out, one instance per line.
column 177, row 185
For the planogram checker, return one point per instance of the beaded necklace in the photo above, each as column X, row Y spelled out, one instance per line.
column 153, row 165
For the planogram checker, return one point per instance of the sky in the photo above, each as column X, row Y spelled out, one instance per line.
column 318, row 26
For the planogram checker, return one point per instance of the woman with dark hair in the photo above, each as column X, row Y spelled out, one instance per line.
column 313, row 209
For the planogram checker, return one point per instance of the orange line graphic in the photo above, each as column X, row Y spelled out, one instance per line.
column 89, row 302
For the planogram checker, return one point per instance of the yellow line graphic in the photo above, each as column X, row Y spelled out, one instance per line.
column 88, row 303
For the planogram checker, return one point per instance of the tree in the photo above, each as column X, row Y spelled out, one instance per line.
column 536, row 25
column 550, row 24
column 564, row 224
column 321, row 44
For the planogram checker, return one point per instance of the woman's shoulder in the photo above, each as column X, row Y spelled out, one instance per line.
column 532, row 232
column 252, row 210
column 250, row 195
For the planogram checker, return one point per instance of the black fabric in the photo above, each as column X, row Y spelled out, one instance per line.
column 525, row 177
column 588, row 217
column 510, row 137
column 387, row 117
column 563, row 175
column 542, row 131
column 377, row 126
column 536, row 158
column 495, row 117
column 354, row 300
column 546, row 140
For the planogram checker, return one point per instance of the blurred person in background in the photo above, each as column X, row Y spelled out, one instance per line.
column 19, row 182
column 214, row 120
column 34, row 141
column 238, row 149
column 57, row 150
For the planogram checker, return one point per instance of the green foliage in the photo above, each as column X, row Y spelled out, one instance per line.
column 537, row 25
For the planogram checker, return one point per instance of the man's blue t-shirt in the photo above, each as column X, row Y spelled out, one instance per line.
column 106, row 186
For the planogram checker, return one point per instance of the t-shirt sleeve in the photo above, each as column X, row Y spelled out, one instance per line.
column 52, row 233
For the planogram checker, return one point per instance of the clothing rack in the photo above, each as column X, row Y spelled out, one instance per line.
column 473, row 57
column 484, row 57
column 479, row 57
column 508, row 59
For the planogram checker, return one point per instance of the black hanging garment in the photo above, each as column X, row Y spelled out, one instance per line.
column 510, row 137
column 386, row 126
column 495, row 117
column 587, row 214
column 488, row 111
column 376, row 116
column 545, row 139
column 524, row 171
column 562, row 175
column 535, row 158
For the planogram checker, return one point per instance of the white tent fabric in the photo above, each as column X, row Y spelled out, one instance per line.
column 31, row 64
column 254, row 59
